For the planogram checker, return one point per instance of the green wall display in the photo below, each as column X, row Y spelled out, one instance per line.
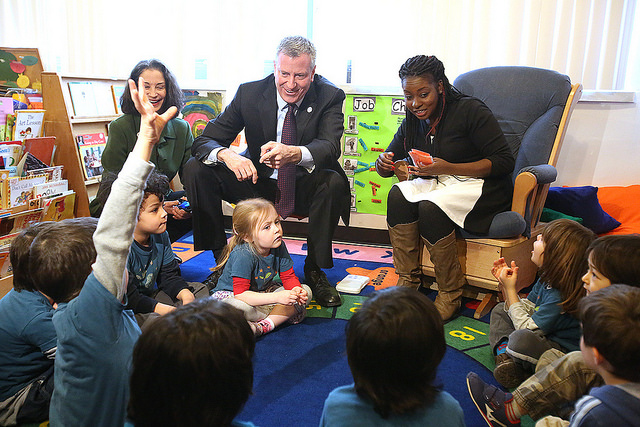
column 370, row 123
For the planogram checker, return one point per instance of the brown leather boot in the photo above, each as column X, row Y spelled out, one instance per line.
column 444, row 255
column 405, row 239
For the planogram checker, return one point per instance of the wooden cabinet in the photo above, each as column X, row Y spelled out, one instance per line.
column 62, row 122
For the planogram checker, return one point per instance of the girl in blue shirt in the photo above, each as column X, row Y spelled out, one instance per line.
column 253, row 258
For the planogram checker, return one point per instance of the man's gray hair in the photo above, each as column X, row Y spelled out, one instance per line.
column 295, row 46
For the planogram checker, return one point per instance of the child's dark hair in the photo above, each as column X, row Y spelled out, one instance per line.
column 174, row 96
column 617, row 258
column 564, row 260
column 19, row 256
column 192, row 367
column 610, row 323
column 61, row 256
column 246, row 216
column 395, row 343
column 157, row 184
column 432, row 69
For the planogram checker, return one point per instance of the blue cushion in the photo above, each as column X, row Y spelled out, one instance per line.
column 583, row 203
column 504, row 226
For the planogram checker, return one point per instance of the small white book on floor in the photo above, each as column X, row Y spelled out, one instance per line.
column 352, row 284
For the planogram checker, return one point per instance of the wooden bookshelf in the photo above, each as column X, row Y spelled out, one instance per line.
column 62, row 121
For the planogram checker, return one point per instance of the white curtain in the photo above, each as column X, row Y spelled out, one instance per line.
column 585, row 39
column 218, row 44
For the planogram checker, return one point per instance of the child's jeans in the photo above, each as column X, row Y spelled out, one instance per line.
column 525, row 346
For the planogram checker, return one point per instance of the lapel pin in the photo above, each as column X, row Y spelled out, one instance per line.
column 309, row 109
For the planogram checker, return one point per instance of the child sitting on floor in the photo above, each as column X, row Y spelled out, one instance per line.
column 27, row 333
column 208, row 348
column 561, row 379
column 250, row 262
column 610, row 345
column 96, row 334
column 522, row 330
column 155, row 282
column 395, row 342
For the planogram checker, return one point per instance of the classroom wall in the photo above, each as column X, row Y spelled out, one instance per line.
column 602, row 145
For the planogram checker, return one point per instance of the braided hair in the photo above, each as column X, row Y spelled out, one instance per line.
column 432, row 69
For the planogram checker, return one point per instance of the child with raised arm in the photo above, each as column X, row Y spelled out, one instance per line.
column 521, row 330
column 561, row 379
column 96, row 334
column 27, row 333
column 395, row 342
column 250, row 262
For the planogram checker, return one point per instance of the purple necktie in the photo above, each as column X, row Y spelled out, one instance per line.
column 286, row 199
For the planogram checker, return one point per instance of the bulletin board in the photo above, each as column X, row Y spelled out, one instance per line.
column 370, row 123
column 20, row 67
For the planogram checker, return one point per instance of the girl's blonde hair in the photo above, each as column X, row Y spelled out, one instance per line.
column 565, row 260
column 246, row 217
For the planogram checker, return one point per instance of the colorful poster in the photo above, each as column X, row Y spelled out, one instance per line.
column 200, row 107
column 370, row 123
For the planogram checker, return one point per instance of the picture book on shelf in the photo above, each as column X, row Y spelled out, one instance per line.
column 117, row 91
column 90, row 149
column 43, row 148
column 53, row 173
column 19, row 190
column 49, row 189
column 4, row 175
column 83, row 99
column 91, row 99
column 5, row 241
column 5, row 263
column 19, row 221
column 11, row 154
column 6, row 108
column 29, row 161
column 59, row 207
column 28, row 124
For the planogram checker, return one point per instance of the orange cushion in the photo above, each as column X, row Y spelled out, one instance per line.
column 622, row 203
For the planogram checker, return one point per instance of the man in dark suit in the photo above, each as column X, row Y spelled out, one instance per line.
column 317, row 187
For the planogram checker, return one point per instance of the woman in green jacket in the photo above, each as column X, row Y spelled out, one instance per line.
column 169, row 155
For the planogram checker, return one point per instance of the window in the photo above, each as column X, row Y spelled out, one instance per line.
column 221, row 43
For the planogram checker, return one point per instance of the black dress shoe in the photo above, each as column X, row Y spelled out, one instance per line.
column 323, row 293
column 212, row 280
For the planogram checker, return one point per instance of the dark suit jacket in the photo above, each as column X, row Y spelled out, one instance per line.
column 319, row 124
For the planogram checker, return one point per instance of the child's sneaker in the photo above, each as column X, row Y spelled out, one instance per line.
column 507, row 372
column 301, row 313
column 261, row 327
column 490, row 401
column 222, row 295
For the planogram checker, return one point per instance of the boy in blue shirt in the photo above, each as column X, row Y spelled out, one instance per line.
column 96, row 334
column 395, row 343
column 610, row 345
column 155, row 283
column 27, row 333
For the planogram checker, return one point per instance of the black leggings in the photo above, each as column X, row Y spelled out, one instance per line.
column 433, row 223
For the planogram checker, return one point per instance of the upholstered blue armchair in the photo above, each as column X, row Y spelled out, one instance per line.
column 533, row 107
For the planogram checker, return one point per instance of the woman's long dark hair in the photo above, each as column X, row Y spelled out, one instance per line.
column 174, row 94
column 432, row 69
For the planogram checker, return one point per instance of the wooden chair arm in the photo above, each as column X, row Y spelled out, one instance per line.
column 524, row 185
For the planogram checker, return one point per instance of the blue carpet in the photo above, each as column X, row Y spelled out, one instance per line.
column 297, row 366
